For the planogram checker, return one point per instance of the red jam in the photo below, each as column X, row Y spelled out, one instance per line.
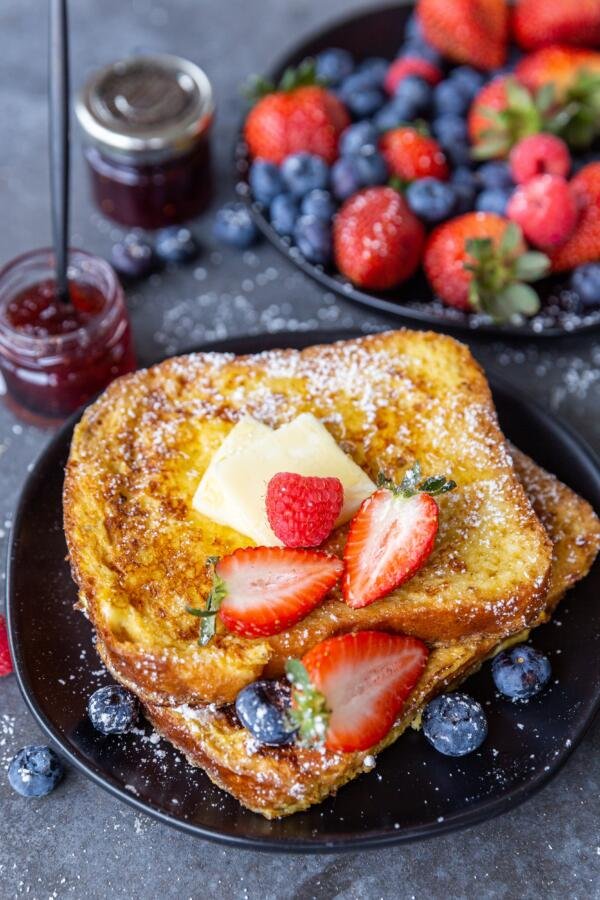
column 55, row 356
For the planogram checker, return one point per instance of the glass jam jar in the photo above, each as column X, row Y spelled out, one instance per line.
column 146, row 122
column 54, row 356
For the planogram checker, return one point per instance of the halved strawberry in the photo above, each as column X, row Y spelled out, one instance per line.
column 259, row 591
column 391, row 536
column 6, row 666
column 349, row 690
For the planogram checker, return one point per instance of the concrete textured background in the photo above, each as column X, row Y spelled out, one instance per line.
column 80, row 842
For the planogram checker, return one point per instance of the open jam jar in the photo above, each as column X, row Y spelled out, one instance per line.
column 147, row 121
column 54, row 356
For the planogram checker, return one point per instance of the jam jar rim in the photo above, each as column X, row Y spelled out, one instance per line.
column 175, row 141
column 11, row 339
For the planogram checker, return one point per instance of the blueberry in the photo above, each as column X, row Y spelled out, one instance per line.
column 334, row 65
column 415, row 94
column 413, row 27
column 35, row 771
column 468, row 79
column 133, row 257
column 312, row 236
column 234, row 226
column 431, row 200
column 261, row 708
column 495, row 174
column 390, row 116
column 345, row 179
column 370, row 166
column 585, row 281
column 465, row 187
column 422, row 50
column 449, row 97
column 283, row 213
column 356, row 136
column 373, row 70
column 319, row 204
column 451, row 132
column 304, row 172
column 176, row 244
column 265, row 181
column 112, row 709
column 494, row 200
column 363, row 102
column 521, row 672
column 454, row 724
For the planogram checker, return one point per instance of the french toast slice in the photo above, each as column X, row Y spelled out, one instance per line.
column 280, row 781
column 138, row 549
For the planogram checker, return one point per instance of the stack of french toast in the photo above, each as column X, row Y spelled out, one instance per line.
column 144, row 528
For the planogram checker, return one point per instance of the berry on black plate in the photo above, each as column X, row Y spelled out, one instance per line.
column 585, row 281
column 363, row 101
column 521, row 672
column 493, row 200
column 495, row 174
column 261, row 707
column 431, row 200
column 112, row 709
column 333, row 65
column 373, row 70
column 345, row 179
column 455, row 724
column 283, row 213
column 413, row 95
column 390, row 116
column 133, row 257
column 35, row 771
column 470, row 80
column 320, row 204
column 176, row 244
column 356, row 136
column 312, row 236
column 304, row 172
column 265, row 181
column 465, row 186
column 234, row 226
column 451, row 132
column 371, row 167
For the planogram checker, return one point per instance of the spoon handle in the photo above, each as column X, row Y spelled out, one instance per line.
column 58, row 80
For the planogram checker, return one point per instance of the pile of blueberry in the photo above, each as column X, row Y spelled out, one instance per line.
column 136, row 256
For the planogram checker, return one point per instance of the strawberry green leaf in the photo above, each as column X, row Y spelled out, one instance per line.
column 510, row 239
column 309, row 713
column 532, row 266
column 518, row 298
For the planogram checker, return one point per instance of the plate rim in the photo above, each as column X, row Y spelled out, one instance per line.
column 463, row 818
column 346, row 290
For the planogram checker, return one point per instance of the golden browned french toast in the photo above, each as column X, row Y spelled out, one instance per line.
column 281, row 781
column 138, row 549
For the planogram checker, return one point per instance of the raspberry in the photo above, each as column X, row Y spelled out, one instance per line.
column 6, row 666
column 539, row 154
column 546, row 210
column 302, row 510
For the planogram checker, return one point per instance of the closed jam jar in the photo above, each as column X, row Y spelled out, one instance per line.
column 55, row 356
column 146, row 122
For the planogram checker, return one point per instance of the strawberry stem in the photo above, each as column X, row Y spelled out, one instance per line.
column 305, row 75
column 309, row 714
column 208, row 614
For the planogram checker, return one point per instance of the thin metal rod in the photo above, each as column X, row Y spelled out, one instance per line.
column 58, row 81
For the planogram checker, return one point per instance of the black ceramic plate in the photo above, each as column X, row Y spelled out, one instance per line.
column 413, row 793
column 380, row 32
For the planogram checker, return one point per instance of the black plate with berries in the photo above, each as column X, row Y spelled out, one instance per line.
column 385, row 48
column 414, row 791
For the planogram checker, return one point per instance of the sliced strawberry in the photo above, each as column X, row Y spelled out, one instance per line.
column 391, row 537
column 259, row 591
column 349, row 690
column 6, row 666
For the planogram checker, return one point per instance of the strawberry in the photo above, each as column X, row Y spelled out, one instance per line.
column 300, row 116
column 477, row 262
column 503, row 113
column 561, row 66
column 411, row 155
column 349, row 690
column 584, row 244
column 537, row 23
column 546, row 210
column 303, row 510
column 391, row 536
column 410, row 65
column 6, row 666
column 539, row 154
column 377, row 239
column 467, row 31
column 259, row 591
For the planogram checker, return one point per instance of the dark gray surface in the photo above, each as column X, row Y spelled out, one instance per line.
column 80, row 842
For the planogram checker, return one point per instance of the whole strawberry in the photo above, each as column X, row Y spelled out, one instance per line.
column 299, row 116
column 302, row 510
column 467, row 31
column 377, row 239
column 537, row 23
column 545, row 209
column 560, row 66
column 410, row 154
column 6, row 666
column 584, row 244
column 503, row 113
column 478, row 262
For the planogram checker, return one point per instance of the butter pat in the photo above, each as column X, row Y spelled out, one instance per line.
column 233, row 489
